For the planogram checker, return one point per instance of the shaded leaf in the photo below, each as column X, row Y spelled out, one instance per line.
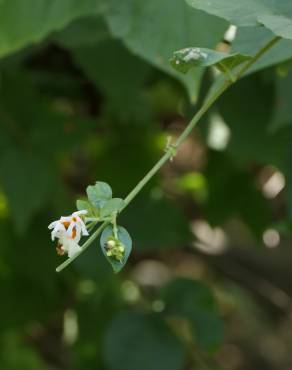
column 194, row 301
column 154, row 29
column 84, row 31
column 246, row 12
column 26, row 192
column 282, row 116
column 249, row 40
column 136, row 341
column 31, row 21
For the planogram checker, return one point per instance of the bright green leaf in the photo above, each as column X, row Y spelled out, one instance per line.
column 185, row 59
column 111, row 206
column 83, row 205
column 99, row 193
column 125, row 240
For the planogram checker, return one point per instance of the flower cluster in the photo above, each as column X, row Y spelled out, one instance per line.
column 115, row 249
column 69, row 230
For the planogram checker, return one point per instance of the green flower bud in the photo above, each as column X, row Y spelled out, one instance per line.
column 115, row 249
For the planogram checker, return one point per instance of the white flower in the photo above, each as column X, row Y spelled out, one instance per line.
column 69, row 230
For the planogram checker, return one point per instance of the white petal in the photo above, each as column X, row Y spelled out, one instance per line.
column 53, row 224
column 83, row 228
column 82, row 212
column 66, row 218
column 73, row 248
column 59, row 229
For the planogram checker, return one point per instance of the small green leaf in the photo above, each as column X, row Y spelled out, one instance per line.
column 83, row 205
column 111, row 206
column 185, row 59
column 123, row 239
column 99, row 194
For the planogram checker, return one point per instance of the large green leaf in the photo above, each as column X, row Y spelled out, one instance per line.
column 154, row 29
column 250, row 12
column 84, row 31
column 247, row 108
column 26, row 22
column 137, row 341
column 279, row 24
column 114, row 70
column 250, row 39
column 26, row 192
column 232, row 193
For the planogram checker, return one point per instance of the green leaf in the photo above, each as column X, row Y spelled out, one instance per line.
column 111, row 206
column 99, row 194
column 85, row 31
column 232, row 193
column 185, row 59
column 83, row 205
column 26, row 192
column 23, row 23
column 194, row 301
column 282, row 116
column 249, row 40
column 136, row 341
column 246, row 12
column 154, row 29
column 251, row 138
column 124, row 238
column 279, row 24
column 120, row 82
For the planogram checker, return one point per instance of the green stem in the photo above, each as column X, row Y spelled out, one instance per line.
column 170, row 151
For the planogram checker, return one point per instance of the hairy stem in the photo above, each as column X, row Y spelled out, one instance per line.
column 171, row 148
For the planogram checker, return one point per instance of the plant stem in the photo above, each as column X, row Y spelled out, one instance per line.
column 170, row 150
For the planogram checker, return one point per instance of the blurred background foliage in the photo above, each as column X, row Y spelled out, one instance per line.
column 86, row 94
